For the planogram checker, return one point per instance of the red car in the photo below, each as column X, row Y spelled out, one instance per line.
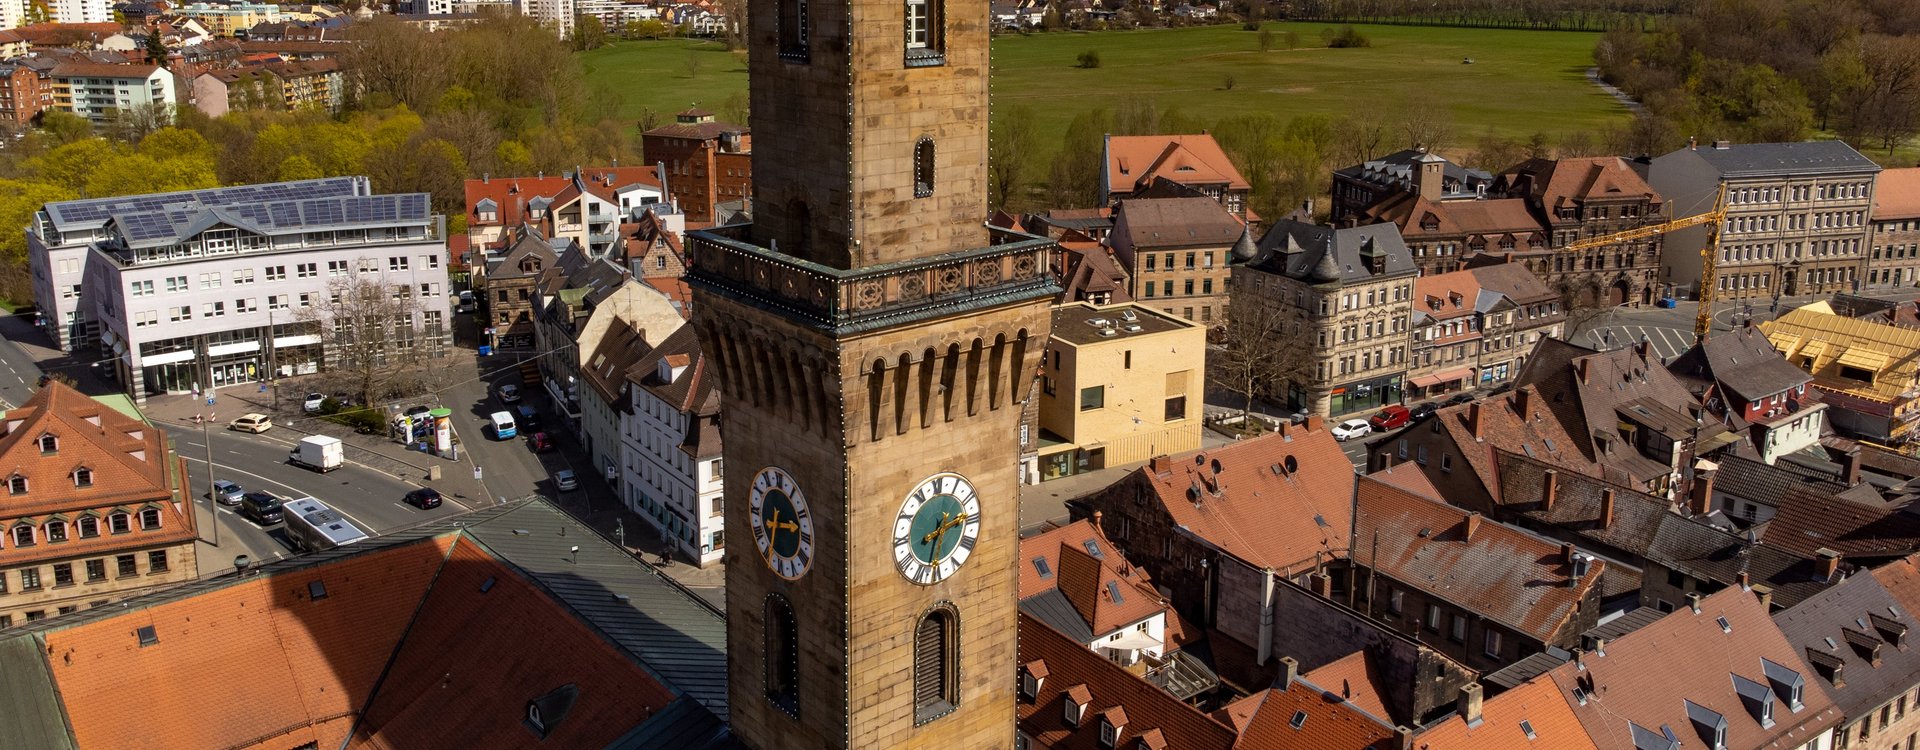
column 1395, row 416
column 541, row 442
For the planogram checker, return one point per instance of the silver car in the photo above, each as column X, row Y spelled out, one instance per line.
column 565, row 481
column 227, row 493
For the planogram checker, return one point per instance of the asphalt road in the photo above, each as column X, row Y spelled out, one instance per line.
column 369, row 498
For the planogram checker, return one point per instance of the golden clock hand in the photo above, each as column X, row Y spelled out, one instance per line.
column 945, row 525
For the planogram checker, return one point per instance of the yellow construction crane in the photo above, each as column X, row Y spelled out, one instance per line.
column 1709, row 252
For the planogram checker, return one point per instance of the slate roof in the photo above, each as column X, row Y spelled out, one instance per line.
column 1538, row 435
column 1743, row 362
column 1549, row 723
column 1635, row 682
column 1590, row 406
column 1809, row 520
column 1320, row 253
column 1709, row 553
column 1397, row 167
column 1088, row 267
column 1498, row 572
column 1612, row 629
column 1576, row 510
column 1803, row 158
column 694, row 391
column 1527, row 667
column 1264, row 516
column 1176, row 222
column 605, row 368
column 1752, row 479
column 1859, row 627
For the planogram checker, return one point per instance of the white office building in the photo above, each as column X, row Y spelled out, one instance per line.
column 553, row 14
column 80, row 11
column 206, row 288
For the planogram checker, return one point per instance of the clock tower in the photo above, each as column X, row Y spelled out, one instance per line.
column 874, row 341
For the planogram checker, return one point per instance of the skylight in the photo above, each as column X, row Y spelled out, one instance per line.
column 1299, row 720
column 1725, row 627
column 1113, row 592
column 1040, row 566
column 148, row 636
column 1526, row 727
column 1093, row 548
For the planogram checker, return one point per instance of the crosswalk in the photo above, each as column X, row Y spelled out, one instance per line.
column 1667, row 342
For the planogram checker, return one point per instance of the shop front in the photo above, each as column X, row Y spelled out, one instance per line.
column 1059, row 458
column 1365, row 395
column 1439, row 383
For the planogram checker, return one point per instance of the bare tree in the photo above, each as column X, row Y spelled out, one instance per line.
column 368, row 329
column 397, row 62
column 1011, row 138
column 1262, row 350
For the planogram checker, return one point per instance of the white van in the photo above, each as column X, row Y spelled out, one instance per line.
column 503, row 426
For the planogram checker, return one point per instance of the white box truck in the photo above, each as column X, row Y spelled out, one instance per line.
column 318, row 452
column 312, row 526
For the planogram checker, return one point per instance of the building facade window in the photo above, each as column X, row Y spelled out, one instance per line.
column 923, row 27
column 149, row 519
column 782, row 655
column 793, row 30
column 923, row 168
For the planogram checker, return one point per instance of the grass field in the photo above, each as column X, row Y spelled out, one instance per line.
column 1521, row 82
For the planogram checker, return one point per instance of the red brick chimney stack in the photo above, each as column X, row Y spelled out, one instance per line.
column 1474, row 423
column 1606, row 508
column 1551, row 487
column 1472, row 524
column 1522, row 402
column 1702, row 500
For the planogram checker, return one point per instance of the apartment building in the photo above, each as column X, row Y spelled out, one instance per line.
column 673, row 474
column 1745, row 384
column 1443, row 230
column 1894, row 260
column 1178, row 253
column 223, row 19
column 586, row 206
column 507, row 282
column 1798, row 216
column 23, row 94
column 1343, row 300
column 185, row 296
column 1358, row 187
column 1475, row 328
column 1119, row 384
column 97, row 507
column 1575, row 199
column 707, row 162
column 1133, row 162
column 80, row 11
column 98, row 90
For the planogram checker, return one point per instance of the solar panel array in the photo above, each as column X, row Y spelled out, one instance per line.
column 66, row 214
column 175, row 222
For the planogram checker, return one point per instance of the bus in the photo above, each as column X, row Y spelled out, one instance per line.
column 312, row 526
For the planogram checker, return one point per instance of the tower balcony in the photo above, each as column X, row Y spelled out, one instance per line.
column 1016, row 268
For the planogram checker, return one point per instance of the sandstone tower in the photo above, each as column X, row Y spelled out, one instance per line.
column 873, row 340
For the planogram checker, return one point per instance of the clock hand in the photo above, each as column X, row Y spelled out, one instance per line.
column 946, row 525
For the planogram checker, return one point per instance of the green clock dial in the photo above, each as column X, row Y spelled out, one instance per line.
column 936, row 529
column 782, row 523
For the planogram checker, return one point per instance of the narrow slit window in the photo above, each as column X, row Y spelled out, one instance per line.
column 923, row 168
column 793, row 30
column 933, row 666
column 783, row 656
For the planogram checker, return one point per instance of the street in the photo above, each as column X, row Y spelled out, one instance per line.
column 1670, row 331
column 369, row 498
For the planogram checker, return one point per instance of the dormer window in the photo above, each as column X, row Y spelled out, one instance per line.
column 1076, row 704
column 1111, row 726
column 1032, row 676
column 23, row 535
column 89, row 527
column 49, row 444
column 150, row 519
column 82, row 477
column 1786, row 681
column 120, row 523
column 17, row 485
column 56, row 531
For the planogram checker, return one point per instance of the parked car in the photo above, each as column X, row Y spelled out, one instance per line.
column 314, row 403
column 502, row 425
column 1460, row 398
column 1351, row 429
column 509, row 393
column 227, row 493
column 424, row 498
column 419, row 412
column 261, row 508
column 1393, row 417
column 255, row 423
column 527, row 416
column 540, row 442
column 565, row 480
column 1423, row 411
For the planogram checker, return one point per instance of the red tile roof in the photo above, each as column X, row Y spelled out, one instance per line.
column 1074, row 670
column 1563, row 182
column 1637, row 681
column 1896, row 194
column 512, row 194
column 1356, row 679
column 1049, row 547
column 1542, row 435
column 1090, row 586
column 1254, row 508
column 1325, row 720
column 1134, row 160
column 246, row 661
column 1446, row 295
column 1538, row 703
column 1496, row 571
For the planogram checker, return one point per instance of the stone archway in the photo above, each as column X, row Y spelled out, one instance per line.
column 1618, row 293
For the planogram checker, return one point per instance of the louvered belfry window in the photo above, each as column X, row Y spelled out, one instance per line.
column 783, row 656
column 933, row 666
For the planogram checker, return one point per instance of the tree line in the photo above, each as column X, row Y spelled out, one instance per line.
column 431, row 110
column 1555, row 15
column 1773, row 70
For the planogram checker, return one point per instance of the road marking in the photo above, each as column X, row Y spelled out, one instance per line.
column 297, row 492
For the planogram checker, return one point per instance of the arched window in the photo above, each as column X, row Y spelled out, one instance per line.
column 782, row 655
column 149, row 519
column 935, row 653
column 923, row 168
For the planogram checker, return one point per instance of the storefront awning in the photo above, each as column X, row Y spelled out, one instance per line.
column 1455, row 375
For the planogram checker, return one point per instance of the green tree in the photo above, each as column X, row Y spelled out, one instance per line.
column 588, row 33
column 298, row 167
column 65, row 127
column 1075, row 180
column 178, row 142
column 69, row 167
column 19, row 199
column 156, row 48
column 1012, row 137
column 513, row 158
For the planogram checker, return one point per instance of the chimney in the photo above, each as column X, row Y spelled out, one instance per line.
column 1286, row 429
column 1566, row 552
column 1522, row 402
column 1581, row 370
column 1693, row 143
column 1472, row 525
column 1550, row 488
column 1850, row 467
column 1289, row 669
column 1827, row 562
column 1745, row 580
column 1469, row 703
column 1474, row 423
column 1606, row 508
column 1765, row 595
column 1693, row 601
column 1702, row 500
column 1096, row 520
column 1402, row 738
column 1160, row 464
column 1580, row 660
column 1315, row 423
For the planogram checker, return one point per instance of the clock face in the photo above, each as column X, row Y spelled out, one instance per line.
column 782, row 524
column 936, row 529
